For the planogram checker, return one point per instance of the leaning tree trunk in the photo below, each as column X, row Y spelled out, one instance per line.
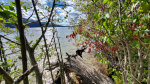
column 33, row 62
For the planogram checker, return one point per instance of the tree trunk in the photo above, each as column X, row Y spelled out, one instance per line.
column 33, row 62
column 22, row 39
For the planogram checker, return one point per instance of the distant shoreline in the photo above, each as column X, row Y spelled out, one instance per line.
column 32, row 25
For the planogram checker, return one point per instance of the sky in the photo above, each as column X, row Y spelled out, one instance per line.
column 61, row 13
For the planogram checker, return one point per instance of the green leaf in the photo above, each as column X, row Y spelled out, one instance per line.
column 1, row 7
column 11, row 45
column 21, row 2
column 24, row 7
column 113, row 70
column 66, row 17
column 137, row 46
column 11, row 8
column 7, row 14
column 144, row 80
column 18, row 39
column 124, row 16
column 145, row 6
column 4, row 65
column 105, row 24
column 96, row 15
column 105, row 1
column 1, row 19
column 9, row 60
column 4, row 15
column 145, row 71
column 1, row 10
column 12, row 3
column 1, row 76
column 110, row 4
column 132, row 0
column 95, row 0
column 12, row 21
column 146, row 40
column 6, row 6
column 146, row 17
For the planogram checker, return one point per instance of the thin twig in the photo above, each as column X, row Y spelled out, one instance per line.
column 13, row 52
column 62, row 63
column 9, row 39
column 43, row 33
column 49, row 19
column 29, row 17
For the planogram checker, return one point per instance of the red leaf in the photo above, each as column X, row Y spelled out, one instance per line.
column 70, row 35
column 148, row 36
column 135, row 37
column 67, row 36
column 141, row 24
column 89, row 50
column 90, row 45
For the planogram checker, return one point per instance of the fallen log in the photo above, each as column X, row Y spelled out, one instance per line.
column 86, row 72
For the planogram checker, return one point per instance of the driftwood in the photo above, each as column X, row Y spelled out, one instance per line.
column 86, row 72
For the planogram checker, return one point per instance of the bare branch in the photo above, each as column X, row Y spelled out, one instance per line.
column 25, row 75
column 29, row 16
column 35, row 21
column 13, row 52
column 6, row 76
column 49, row 19
column 62, row 64
column 9, row 40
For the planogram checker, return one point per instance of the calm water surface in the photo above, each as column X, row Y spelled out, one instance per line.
column 32, row 34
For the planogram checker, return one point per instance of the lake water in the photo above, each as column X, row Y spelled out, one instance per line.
column 66, row 46
column 32, row 34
